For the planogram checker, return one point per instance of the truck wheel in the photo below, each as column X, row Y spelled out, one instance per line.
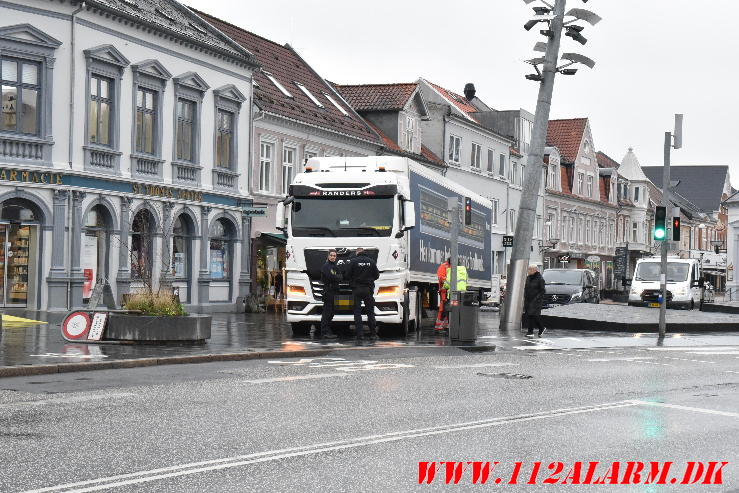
column 405, row 324
column 418, row 323
column 300, row 329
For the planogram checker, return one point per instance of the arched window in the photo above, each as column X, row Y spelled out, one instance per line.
column 222, row 235
column 142, row 244
column 95, row 247
column 182, row 233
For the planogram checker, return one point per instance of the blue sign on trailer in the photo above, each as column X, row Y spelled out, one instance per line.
column 430, row 239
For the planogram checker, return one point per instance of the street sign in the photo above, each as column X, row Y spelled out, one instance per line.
column 507, row 241
column 563, row 258
column 76, row 326
column 254, row 211
column 98, row 326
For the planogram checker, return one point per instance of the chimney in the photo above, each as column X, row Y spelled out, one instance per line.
column 469, row 91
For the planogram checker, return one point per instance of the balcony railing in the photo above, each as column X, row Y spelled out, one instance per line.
column 185, row 173
column 225, row 178
column 20, row 149
column 147, row 167
column 101, row 159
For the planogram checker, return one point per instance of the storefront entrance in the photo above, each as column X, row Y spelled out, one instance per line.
column 18, row 262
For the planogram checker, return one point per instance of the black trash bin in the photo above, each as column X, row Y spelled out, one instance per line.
column 464, row 316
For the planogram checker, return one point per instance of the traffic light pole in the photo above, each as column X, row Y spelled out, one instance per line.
column 665, row 242
column 521, row 251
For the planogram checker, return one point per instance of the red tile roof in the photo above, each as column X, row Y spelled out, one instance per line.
column 567, row 136
column 377, row 97
column 287, row 67
column 605, row 161
column 426, row 152
column 458, row 101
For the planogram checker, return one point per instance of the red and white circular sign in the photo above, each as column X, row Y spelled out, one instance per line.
column 76, row 326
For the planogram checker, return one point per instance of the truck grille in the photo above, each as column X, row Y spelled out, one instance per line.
column 651, row 295
column 556, row 299
column 315, row 258
column 317, row 288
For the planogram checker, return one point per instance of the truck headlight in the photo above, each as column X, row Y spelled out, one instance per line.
column 296, row 290
column 576, row 296
column 388, row 291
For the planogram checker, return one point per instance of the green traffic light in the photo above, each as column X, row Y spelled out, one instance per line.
column 659, row 234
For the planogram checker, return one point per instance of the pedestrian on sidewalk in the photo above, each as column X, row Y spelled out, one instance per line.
column 442, row 320
column 362, row 274
column 533, row 298
column 330, row 277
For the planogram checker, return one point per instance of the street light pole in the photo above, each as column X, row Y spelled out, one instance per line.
column 521, row 251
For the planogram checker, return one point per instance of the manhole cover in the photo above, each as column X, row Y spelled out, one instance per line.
column 514, row 376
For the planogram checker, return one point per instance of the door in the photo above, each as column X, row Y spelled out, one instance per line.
column 17, row 264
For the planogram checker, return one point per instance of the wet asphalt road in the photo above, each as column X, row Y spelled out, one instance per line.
column 363, row 420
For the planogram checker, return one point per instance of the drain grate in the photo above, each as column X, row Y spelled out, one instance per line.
column 510, row 376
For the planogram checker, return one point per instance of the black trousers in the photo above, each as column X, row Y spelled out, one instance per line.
column 533, row 321
column 327, row 315
column 364, row 294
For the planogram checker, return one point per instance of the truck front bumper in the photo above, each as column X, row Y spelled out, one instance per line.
column 386, row 311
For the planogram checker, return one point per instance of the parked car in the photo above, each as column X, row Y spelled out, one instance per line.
column 565, row 286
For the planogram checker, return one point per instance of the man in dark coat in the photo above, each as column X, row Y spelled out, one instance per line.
column 330, row 277
column 362, row 274
column 533, row 297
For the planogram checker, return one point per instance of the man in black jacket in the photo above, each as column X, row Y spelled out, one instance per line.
column 533, row 298
column 362, row 273
column 330, row 277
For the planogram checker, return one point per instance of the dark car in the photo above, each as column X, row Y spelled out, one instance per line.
column 565, row 286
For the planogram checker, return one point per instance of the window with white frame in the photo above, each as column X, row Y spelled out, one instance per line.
column 636, row 195
column 476, row 156
column 266, row 153
column 496, row 208
column 579, row 230
column 634, row 231
column 410, row 130
column 580, row 179
column 571, row 236
column 501, row 166
column 338, row 106
column 587, row 232
column 309, row 94
column 288, row 167
column 551, row 226
column 491, row 161
column 277, row 84
column 455, row 144
column 590, row 187
column 514, row 174
column 552, row 177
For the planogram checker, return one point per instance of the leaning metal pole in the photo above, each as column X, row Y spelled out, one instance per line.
column 521, row 251
column 666, row 242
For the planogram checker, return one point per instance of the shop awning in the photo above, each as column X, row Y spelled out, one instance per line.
column 277, row 239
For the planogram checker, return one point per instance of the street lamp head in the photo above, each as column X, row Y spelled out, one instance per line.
column 540, row 47
column 536, row 61
column 547, row 32
column 575, row 34
column 568, row 71
column 535, row 77
column 584, row 15
column 542, row 10
column 530, row 24
column 577, row 58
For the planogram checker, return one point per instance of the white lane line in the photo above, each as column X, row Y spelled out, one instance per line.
column 687, row 408
column 693, row 348
column 74, row 399
column 295, row 377
column 688, row 359
column 230, row 462
column 632, row 358
column 480, row 365
column 708, row 353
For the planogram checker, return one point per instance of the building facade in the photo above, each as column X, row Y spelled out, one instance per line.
column 123, row 148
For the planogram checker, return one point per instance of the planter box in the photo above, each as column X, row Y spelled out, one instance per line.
column 187, row 328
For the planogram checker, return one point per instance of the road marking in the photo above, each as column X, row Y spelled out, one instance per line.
column 691, row 360
column 69, row 355
column 632, row 358
column 687, row 408
column 242, row 460
column 692, row 348
column 707, row 353
column 480, row 365
column 342, row 364
column 74, row 399
column 295, row 377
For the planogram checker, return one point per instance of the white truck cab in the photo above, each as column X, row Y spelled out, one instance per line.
column 682, row 282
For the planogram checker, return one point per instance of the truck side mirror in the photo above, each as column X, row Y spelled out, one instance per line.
column 409, row 215
column 280, row 216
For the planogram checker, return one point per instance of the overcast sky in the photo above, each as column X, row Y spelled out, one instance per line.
column 654, row 58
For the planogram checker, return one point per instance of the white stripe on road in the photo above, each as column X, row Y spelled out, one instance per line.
column 692, row 348
column 480, row 365
column 73, row 399
column 707, row 353
column 230, row 462
column 295, row 377
column 687, row 408
column 633, row 358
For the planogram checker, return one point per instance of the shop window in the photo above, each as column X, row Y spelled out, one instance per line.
column 222, row 235
column 142, row 233
column 95, row 248
column 182, row 233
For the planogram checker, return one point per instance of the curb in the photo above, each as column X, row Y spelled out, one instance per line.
column 31, row 370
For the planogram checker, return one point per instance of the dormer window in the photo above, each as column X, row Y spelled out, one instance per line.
column 309, row 94
column 338, row 107
column 277, row 84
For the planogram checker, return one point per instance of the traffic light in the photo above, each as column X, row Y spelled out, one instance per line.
column 675, row 228
column 660, row 228
column 467, row 211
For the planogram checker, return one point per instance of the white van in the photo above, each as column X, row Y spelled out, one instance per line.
column 682, row 282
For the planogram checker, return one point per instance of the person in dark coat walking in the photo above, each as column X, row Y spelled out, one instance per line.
column 330, row 277
column 362, row 274
column 533, row 298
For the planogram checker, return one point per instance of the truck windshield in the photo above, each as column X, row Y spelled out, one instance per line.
column 562, row 277
column 343, row 217
column 649, row 271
